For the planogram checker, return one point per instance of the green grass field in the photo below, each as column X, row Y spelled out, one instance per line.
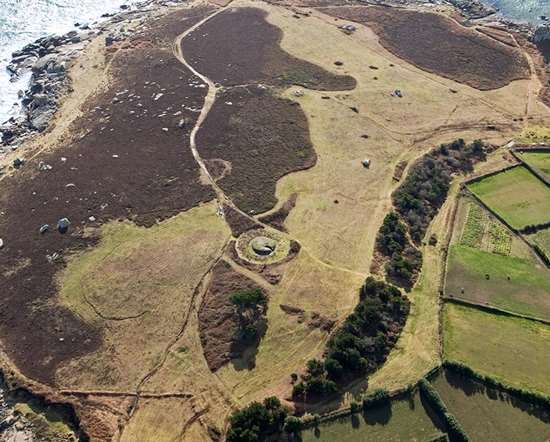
column 514, row 284
column 517, row 195
column 541, row 239
column 515, row 351
column 538, row 160
column 405, row 420
column 491, row 415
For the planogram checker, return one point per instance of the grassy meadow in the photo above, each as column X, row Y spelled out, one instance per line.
column 516, row 195
column 515, row 351
column 491, row 415
column 514, row 284
column 538, row 160
column 541, row 239
column 404, row 420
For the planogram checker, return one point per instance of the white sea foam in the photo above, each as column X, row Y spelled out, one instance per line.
column 23, row 21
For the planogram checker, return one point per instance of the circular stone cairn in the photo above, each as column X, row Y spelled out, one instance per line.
column 263, row 245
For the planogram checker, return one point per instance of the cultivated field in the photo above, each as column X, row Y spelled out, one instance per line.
column 482, row 231
column 491, row 415
column 404, row 420
column 538, row 160
column 506, row 193
column 482, row 246
column 509, row 349
column 541, row 239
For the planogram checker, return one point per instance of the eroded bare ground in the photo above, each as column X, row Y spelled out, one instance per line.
column 127, row 314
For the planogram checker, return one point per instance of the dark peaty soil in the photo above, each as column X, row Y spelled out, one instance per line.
column 218, row 320
column 240, row 47
column 440, row 45
column 124, row 166
column 263, row 137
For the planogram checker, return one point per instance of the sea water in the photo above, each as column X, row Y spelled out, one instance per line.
column 23, row 21
column 522, row 10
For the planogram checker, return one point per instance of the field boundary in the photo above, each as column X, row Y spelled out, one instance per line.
column 487, row 308
column 518, row 232
column 535, row 171
column 443, row 278
column 530, row 397
column 395, row 394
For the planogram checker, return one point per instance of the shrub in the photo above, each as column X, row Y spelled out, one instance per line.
column 378, row 397
column 257, row 421
column 248, row 298
column 355, row 407
column 292, row 424
column 416, row 201
column 362, row 342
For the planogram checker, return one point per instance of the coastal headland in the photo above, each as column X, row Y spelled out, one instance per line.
column 194, row 201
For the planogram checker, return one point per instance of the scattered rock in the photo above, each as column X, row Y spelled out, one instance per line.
column 63, row 225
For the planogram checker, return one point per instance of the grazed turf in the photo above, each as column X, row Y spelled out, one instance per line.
column 516, row 195
column 514, row 284
column 491, row 415
column 509, row 349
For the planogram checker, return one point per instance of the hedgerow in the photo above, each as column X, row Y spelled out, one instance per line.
column 455, row 430
column 527, row 396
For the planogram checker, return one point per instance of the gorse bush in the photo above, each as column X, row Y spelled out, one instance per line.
column 416, row 202
column 248, row 298
column 426, row 186
column 250, row 306
column 362, row 342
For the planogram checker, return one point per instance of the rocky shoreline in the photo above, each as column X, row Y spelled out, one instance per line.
column 49, row 58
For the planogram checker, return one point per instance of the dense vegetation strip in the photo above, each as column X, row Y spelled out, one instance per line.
column 455, row 430
column 260, row 421
column 360, row 345
column 416, row 203
column 527, row 396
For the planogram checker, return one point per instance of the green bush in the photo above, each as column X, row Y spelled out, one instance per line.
column 355, row 407
column 376, row 398
column 361, row 344
column 292, row 424
column 257, row 421
column 248, row 298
